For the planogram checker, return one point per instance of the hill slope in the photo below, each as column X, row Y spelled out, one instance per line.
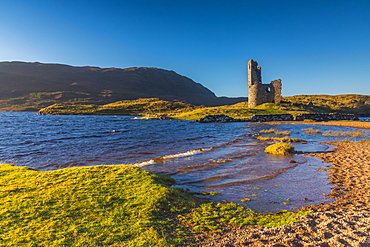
column 348, row 104
column 36, row 85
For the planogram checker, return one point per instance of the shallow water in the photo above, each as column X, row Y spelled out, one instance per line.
column 226, row 158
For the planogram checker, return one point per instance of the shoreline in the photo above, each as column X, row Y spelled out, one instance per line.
column 353, row 124
column 344, row 222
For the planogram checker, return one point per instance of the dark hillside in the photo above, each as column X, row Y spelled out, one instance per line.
column 38, row 85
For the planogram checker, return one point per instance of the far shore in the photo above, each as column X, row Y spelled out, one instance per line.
column 354, row 124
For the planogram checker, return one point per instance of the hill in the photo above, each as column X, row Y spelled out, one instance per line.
column 347, row 104
column 31, row 86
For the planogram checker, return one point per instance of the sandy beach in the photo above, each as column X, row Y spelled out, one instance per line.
column 355, row 124
column 344, row 222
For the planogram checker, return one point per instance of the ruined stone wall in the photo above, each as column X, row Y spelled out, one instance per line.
column 254, row 73
column 259, row 93
column 277, row 86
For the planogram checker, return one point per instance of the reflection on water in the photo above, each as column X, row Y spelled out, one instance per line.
column 226, row 158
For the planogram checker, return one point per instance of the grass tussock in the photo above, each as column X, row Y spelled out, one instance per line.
column 89, row 206
column 354, row 133
column 280, row 139
column 267, row 131
column 280, row 149
column 276, row 132
column 312, row 131
column 283, row 132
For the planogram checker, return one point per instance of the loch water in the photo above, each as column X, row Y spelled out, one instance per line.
column 215, row 157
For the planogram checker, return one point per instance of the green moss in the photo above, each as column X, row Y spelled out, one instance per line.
column 280, row 149
column 89, row 206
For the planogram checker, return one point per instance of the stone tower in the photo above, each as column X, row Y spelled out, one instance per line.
column 259, row 93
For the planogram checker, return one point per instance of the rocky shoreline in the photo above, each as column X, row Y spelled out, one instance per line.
column 279, row 117
column 344, row 222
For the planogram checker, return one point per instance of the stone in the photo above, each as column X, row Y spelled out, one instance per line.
column 217, row 119
column 259, row 93
column 326, row 117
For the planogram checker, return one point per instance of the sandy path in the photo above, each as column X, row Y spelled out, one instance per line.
column 345, row 222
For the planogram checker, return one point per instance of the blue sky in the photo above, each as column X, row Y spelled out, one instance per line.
column 315, row 47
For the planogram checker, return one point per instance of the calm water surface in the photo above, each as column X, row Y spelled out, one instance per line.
column 225, row 158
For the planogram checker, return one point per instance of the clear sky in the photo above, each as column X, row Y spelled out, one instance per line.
column 314, row 46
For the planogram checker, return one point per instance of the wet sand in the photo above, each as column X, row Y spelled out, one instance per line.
column 344, row 222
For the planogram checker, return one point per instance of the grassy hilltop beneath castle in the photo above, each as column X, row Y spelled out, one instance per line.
column 348, row 104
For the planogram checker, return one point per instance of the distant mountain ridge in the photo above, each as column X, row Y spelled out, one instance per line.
column 60, row 83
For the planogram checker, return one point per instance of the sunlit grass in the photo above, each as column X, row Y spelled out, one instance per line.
column 311, row 131
column 125, row 107
column 118, row 205
column 353, row 133
column 281, row 139
column 349, row 103
column 90, row 206
column 277, row 132
column 176, row 110
column 283, row 132
column 213, row 216
column 267, row 131
column 280, row 149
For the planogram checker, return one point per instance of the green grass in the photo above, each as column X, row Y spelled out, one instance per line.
column 348, row 103
column 283, row 132
column 89, row 206
column 357, row 104
column 118, row 205
column 268, row 131
column 213, row 216
column 280, row 149
column 277, row 132
column 176, row 110
column 126, row 107
column 281, row 139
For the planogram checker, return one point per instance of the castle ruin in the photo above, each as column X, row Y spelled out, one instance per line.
column 259, row 93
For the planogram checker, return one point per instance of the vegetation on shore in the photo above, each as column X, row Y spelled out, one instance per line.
column 118, row 205
column 125, row 107
column 280, row 139
column 280, row 149
column 88, row 206
column 357, row 104
column 175, row 110
column 347, row 103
